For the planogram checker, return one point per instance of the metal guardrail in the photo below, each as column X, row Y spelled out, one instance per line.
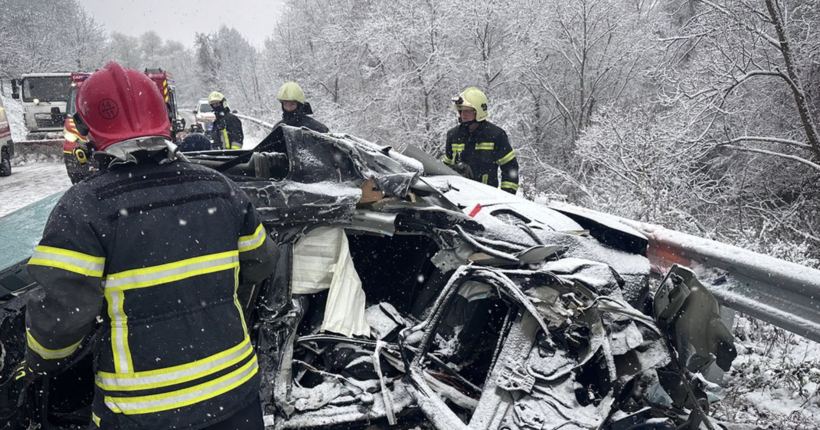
column 779, row 292
column 254, row 120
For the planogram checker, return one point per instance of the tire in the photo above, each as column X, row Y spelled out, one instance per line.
column 5, row 165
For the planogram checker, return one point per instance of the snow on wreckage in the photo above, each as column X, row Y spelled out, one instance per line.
column 390, row 305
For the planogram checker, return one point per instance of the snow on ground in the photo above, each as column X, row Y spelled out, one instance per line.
column 774, row 381
column 30, row 183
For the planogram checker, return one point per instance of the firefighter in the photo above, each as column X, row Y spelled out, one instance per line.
column 157, row 247
column 476, row 148
column 295, row 108
column 227, row 127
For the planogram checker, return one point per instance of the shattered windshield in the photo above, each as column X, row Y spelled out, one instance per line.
column 47, row 89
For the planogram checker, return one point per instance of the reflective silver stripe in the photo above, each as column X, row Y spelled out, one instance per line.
column 185, row 397
column 119, row 335
column 174, row 271
column 126, row 382
column 68, row 260
column 247, row 243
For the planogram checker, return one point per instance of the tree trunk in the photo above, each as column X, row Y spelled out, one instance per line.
column 797, row 88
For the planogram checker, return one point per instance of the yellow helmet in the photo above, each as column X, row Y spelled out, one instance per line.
column 472, row 98
column 216, row 96
column 291, row 92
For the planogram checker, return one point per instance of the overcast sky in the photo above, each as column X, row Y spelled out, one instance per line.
column 180, row 19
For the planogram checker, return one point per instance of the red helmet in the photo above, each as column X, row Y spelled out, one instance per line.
column 118, row 104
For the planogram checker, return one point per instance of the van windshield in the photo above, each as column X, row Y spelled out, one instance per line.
column 47, row 88
column 205, row 108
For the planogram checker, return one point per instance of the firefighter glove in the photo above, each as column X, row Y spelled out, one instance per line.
column 463, row 170
column 13, row 391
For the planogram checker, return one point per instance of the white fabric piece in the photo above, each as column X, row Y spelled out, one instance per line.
column 321, row 261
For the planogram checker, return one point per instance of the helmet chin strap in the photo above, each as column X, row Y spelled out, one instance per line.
column 468, row 124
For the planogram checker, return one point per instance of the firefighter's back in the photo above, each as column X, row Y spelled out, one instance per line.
column 177, row 351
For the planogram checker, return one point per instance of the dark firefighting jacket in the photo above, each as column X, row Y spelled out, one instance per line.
column 300, row 118
column 227, row 130
column 485, row 150
column 158, row 252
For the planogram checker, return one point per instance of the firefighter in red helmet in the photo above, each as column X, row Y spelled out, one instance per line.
column 157, row 248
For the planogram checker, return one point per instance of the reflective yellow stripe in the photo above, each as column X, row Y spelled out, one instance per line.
column 236, row 300
column 175, row 375
column 185, row 397
column 67, row 152
column 71, row 261
column 251, row 242
column 506, row 159
column 510, row 185
column 96, row 419
column 150, row 276
column 485, row 146
column 447, row 160
column 49, row 354
column 236, row 146
column 457, row 146
column 225, row 141
column 123, row 363
column 484, row 178
column 116, row 284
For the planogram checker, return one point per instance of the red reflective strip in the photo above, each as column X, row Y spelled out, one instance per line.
column 475, row 210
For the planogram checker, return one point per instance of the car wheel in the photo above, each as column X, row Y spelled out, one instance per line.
column 5, row 166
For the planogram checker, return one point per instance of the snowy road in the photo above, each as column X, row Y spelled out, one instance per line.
column 30, row 183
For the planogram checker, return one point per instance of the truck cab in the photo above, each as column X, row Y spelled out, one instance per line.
column 6, row 145
column 165, row 83
column 44, row 97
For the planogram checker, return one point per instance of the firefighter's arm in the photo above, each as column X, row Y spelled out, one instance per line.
column 235, row 133
column 448, row 159
column 257, row 251
column 68, row 263
column 506, row 160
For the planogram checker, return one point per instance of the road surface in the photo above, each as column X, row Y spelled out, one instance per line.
column 30, row 183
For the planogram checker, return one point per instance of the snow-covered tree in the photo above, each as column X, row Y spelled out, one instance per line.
column 48, row 36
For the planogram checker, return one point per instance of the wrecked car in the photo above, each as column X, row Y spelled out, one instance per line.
column 407, row 295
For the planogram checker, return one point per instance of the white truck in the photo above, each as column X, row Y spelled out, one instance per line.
column 44, row 97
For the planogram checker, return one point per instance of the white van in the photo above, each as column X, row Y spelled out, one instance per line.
column 6, row 145
column 204, row 118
